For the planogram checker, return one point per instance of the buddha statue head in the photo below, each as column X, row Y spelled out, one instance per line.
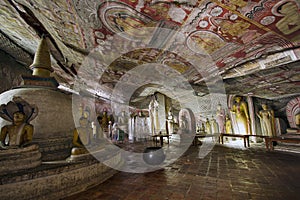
column 83, row 121
column 264, row 106
column 238, row 99
column 18, row 109
column 18, row 117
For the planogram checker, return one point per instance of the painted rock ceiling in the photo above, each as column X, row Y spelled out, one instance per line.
column 253, row 46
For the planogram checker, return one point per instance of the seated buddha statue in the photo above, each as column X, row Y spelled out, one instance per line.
column 19, row 132
column 16, row 145
column 82, row 137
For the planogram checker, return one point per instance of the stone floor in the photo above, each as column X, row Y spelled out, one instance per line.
column 229, row 171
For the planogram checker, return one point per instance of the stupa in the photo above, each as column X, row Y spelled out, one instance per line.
column 54, row 124
column 50, row 176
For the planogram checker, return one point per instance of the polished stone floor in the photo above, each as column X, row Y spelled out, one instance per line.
column 228, row 171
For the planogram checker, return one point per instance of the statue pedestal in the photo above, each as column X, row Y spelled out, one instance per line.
column 13, row 160
column 57, row 179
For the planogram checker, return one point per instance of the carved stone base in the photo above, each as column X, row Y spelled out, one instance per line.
column 55, row 180
column 13, row 160
column 55, row 148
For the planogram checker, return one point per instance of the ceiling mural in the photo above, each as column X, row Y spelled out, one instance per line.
column 243, row 39
column 204, row 40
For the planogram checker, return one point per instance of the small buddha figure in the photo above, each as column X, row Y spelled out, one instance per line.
column 104, row 121
column 228, row 124
column 82, row 137
column 202, row 129
column 20, row 132
column 207, row 126
column 197, row 128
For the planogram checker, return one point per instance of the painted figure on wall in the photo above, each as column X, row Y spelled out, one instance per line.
column 242, row 120
column 220, row 118
column 290, row 22
column 234, row 29
column 266, row 117
column 204, row 40
column 20, row 132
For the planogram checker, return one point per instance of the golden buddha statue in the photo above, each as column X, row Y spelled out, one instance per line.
column 104, row 121
column 208, row 126
column 16, row 146
column 240, row 109
column 228, row 124
column 20, row 132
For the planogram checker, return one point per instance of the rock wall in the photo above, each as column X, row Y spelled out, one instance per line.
column 9, row 71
